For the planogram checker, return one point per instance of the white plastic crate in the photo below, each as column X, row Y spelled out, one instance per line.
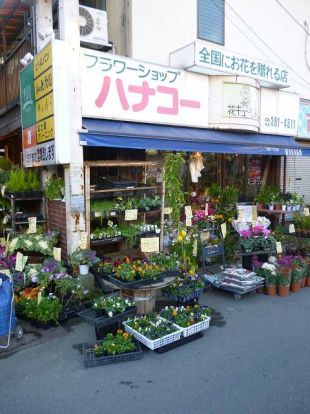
column 155, row 343
column 196, row 327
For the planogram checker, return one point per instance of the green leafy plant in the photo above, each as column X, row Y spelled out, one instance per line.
column 39, row 242
column 172, row 177
column 21, row 180
column 84, row 257
column 48, row 310
column 268, row 194
column 131, row 233
column 54, row 188
column 120, row 343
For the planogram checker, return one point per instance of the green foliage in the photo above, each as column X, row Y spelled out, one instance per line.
column 5, row 164
column 172, row 177
column 119, row 343
column 130, row 233
column 48, row 310
column 54, row 188
column 22, row 180
column 268, row 194
column 223, row 201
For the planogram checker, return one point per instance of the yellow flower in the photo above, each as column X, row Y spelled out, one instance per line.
column 125, row 335
column 174, row 313
column 179, row 238
column 183, row 233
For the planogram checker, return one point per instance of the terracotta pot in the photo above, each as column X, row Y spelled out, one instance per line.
column 308, row 281
column 303, row 282
column 271, row 290
column 295, row 286
column 283, row 290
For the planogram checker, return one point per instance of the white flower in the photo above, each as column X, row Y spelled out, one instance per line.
column 110, row 314
column 34, row 279
column 126, row 301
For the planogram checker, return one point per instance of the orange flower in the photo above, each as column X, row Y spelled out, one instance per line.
column 174, row 313
column 125, row 335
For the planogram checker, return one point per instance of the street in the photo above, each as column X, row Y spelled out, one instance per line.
column 254, row 359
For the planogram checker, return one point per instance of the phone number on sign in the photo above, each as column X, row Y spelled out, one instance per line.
column 40, row 155
column 276, row 121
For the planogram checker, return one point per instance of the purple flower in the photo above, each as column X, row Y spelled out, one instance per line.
column 266, row 232
column 246, row 234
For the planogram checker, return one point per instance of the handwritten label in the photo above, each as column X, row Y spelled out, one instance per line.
column 98, row 214
column 207, row 209
column 291, row 228
column 39, row 297
column 188, row 221
column 223, row 229
column 110, row 223
column 5, row 272
column 278, row 247
column 113, row 213
column 254, row 213
column 21, row 260
column 131, row 214
column 306, row 211
column 57, row 253
column 188, row 211
column 150, row 244
column 32, row 221
column 83, row 240
column 167, row 210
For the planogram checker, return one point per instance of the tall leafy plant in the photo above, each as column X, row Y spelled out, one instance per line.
column 173, row 164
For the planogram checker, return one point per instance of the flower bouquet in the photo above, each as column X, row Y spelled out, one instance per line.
column 120, row 347
column 153, row 331
column 190, row 319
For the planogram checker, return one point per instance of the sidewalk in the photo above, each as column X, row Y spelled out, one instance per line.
column 253, row 360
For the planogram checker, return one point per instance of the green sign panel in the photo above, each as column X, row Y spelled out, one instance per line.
column 27, row 99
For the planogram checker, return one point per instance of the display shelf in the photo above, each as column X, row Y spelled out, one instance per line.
column 255, row 253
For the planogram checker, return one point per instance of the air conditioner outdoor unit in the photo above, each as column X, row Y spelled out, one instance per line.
column 93, row 27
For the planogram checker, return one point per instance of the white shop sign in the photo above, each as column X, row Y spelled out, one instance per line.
column 115, row 87
column 279, row 112
column 211, row 59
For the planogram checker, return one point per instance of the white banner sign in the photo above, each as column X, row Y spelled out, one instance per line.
column 279, row 112
column 116, row 87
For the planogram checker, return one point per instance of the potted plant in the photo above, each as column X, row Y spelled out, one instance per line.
column 44, row 313
column 268, row 271
column 21, row 182
column 283, row 283
column 297, row 273
column 54, row 188
column 84, row 258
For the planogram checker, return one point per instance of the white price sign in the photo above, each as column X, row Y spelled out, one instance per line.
column 131, row 214
column 32, row 221
column 150, row 244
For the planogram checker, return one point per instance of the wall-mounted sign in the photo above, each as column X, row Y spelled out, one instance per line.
column 234, row 103
column 116, row 87
column 43, row 97
column 304, row 119
column 214, row 60
column 279, row 112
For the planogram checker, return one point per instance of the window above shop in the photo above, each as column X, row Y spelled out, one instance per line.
column 211, row 20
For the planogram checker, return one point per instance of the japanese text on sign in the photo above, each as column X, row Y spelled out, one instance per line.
column 150, row 244
column 230, row 62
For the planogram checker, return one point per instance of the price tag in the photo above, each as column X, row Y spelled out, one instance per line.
column 195, row 248
column 110, row 223
column 278, row 247
column 57, row 253
column 188, row 221
column 306, row 211
column 207, row 209
column 32, row 221
column 254, row 213
column 83, row 240
column 21, row 260
column 188, row 211
column 39, row 297
column 5, row 272
column 167, row 210
column 131, row 214
column 113, row 213
column 291, row 228
column 223, row 229
column 150, row 244
column 98, row 214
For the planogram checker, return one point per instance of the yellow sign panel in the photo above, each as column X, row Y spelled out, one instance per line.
column 44, row 107
column 43, row 84
column 45, row 130
column 43, row 60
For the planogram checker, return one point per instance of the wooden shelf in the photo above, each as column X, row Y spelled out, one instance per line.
column 116, row 190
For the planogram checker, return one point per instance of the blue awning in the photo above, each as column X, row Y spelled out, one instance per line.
column 118, row 134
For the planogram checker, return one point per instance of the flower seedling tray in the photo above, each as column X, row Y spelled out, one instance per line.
column 184, row 299
column 195, row 328
column 135, row 283
column 91, row 360
column 182, row 341
column 92, row 317
column 155, row 343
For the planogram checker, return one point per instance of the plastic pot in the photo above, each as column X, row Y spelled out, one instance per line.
column 83, row 269
column 295, row 286
column 308, row 281
column 271, row 290
column 303, row 282
column 283, row 290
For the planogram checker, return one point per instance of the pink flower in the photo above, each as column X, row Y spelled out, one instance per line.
column 266, row 232
column 245, row 234
column 257, row 229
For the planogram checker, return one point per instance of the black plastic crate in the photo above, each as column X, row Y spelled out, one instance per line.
column 93, row 317
column 184, row 299
column 136, row 283
column 91, row 360
column 182, row 341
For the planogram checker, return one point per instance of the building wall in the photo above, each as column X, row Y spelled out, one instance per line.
column 56, row 220
column 264, row 30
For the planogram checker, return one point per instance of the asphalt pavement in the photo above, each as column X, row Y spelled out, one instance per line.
column 254, row 359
